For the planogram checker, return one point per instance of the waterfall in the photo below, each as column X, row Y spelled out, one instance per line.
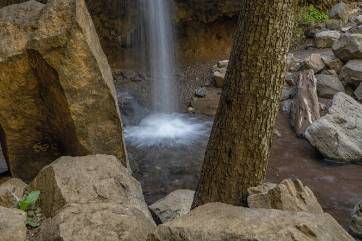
column 160, row 53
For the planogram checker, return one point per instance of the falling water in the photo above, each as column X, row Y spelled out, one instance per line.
column 161, row 53
column 163, row 127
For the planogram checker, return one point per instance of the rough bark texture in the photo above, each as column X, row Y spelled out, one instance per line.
column 305, row 109
column 238, row 150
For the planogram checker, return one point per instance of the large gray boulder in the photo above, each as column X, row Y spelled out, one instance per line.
column 328, row 85
column 174, row 205
column 11, row 191
column 337, row 135
column 96, row 222
column 12, row 224
column 88, row 179
column 332, row 62
column 314, row 62
column 356, row 225
column 222, row 222
column 352, row 72
column 348, row 47
column 289, row 195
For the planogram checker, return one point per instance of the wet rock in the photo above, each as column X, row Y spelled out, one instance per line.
column 293, row 63
column 222, row 222
column 340, row 11
column 60, row 97
column 328, row 85
column 326, row 39
column 332, row 62
column 289, row 195
column 207, row 105
column 174, row 205
column 305, row 107
column 352, row 72
column 337, row 135
column 348, row 47
column 358, row 92
column 356, row 225
column 12, row 224
column 314, row 62
column 95, row 222
column 11, row 191
column 88, row 179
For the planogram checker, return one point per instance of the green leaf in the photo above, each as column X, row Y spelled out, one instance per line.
column 29, row 200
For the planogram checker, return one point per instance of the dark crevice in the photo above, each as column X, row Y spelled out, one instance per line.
column 3, row 152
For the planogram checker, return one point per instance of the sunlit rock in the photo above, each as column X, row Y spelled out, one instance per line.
column 12, row 224
column 11, row 192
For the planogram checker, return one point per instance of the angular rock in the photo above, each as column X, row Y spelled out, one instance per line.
column 358, row 19
column 293, row 63
column 288, row 93
column 326, row 39
column 332, row 62
column 356, row 225
column 222, row 222
column 352, row 72
column 348, row 47
column 305, row 108
column 59, row 98
column 11, row 191
column 88, row 179
column 337, row 135
column 358, row 92
column 174, row 205
column 356, row 29
column 328, row 85
column 289, row 195
column 340, row 11
column 333, row 24
column 314, row 62
column 95, row 222
column 12, row 224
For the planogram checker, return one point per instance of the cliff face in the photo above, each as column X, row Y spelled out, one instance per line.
column 204, row 28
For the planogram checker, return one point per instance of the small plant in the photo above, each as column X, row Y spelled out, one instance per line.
column 25, row 203
column 313, row 15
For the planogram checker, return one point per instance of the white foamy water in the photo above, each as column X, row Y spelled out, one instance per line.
column 167, row 130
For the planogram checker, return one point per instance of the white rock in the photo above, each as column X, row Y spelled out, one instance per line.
column 314, row 62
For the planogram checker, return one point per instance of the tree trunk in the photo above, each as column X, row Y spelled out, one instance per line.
column 238, row 150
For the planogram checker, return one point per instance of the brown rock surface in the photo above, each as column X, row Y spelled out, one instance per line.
column 10, row 191
column 222, row 222
column 289, row 195
column 88, row 179
column 12, row 224
column 57, row 95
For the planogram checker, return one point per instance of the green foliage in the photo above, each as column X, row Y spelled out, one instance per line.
column 28, row 200
column 312, row 15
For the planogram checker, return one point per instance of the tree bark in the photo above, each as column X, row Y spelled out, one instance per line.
column 238, row 149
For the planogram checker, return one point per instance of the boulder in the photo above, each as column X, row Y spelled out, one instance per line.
column 305, row 107
column 351, row 73
column 358, row 19
column 288, row 92
column 219, row 77
column 12, row 224
column 326, row 39
column 289, row 195
column 333, row 24
column 11, row 191
column 356, row 225
column 328, row 85
column 208, row 104
column 348, row 47
column 340, row 11
column 332, row 62
column 95, row 222
column 174, row 205
column 60, row 97
column 88, row 179
column 356, row 29
column 222, row 222
column 337, row 135
column 358, row 92
column 314, row 62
